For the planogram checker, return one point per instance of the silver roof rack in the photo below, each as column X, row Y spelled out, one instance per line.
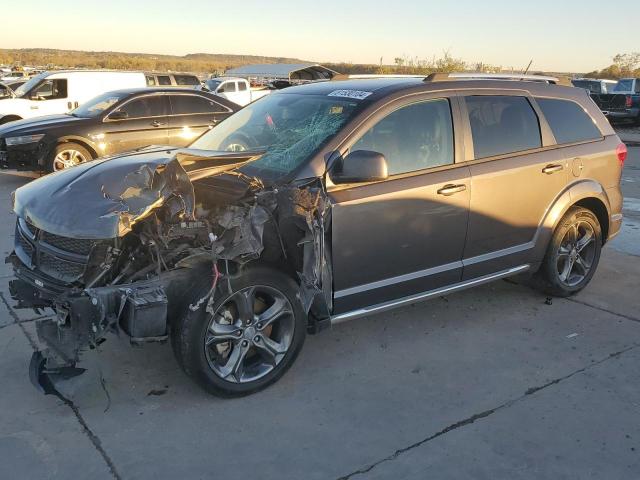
column 441, row 77
column 348, row 76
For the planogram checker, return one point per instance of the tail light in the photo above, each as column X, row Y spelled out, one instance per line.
column 621, row 152
column 628, row 101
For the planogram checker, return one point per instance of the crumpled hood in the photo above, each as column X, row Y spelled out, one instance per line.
column 105, row 198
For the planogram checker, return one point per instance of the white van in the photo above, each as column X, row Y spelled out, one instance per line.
column 58, row 92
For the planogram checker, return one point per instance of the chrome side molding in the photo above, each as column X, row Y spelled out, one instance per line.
column 383, row 307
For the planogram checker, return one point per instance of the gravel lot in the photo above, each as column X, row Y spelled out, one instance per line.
column 489, row 383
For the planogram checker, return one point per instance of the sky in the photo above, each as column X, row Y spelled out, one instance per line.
column 560, row 35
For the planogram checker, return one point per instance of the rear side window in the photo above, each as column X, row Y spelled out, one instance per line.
column 242, row 86
column 502, row 124
column 569, row 122
column 186, row 80
column 190, row 104
column 412, row 138
column 143, row 107
column 164, row 80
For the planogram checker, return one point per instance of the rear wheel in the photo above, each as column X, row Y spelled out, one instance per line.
column 68, row 155
column 245, row 340
column 573, row 253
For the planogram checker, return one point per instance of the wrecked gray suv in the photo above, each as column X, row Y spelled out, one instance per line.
column 314, row 205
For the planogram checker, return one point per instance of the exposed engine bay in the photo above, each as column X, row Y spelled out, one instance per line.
column 134, row 236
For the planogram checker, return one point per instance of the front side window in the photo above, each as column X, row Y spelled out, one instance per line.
column 50, row 90
column 228, row 87
column 143, row 107
column 412, row 138
column 502, row 124
column 286, row 128
column 569, row 122
column 242, row 86
column 190, row 104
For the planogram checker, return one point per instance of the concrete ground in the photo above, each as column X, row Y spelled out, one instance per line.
column 496, row 382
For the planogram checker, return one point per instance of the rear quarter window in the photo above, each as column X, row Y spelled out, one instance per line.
column 569, row 122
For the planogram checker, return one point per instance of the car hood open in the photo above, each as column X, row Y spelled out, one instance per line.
column 105, row 198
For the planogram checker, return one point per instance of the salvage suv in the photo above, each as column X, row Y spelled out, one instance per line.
column 315, row 205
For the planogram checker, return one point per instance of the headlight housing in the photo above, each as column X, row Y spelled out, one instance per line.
column 21, row 140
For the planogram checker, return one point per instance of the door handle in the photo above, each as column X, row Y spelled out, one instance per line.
column 450, row 189
column 156, row 123
column 549, row 169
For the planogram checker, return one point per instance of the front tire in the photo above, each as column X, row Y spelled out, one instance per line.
column 67, row 155
column 247, row 338
column 573, row 253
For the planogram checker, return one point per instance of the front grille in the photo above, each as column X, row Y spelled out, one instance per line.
column 59, row 258
column 57, row 268
column 75, row 245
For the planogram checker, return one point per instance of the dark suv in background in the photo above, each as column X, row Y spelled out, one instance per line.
column 315, row 205
column 111, row 123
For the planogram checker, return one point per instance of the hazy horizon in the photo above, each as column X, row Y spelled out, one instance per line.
column 558, row 37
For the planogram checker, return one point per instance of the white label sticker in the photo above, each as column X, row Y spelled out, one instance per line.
column 357, row 94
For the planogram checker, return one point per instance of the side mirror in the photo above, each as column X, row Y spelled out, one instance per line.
column 360, row 166
column 119, row 115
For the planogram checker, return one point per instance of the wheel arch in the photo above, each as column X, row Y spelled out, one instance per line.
column 80, row 141
column 9, row 118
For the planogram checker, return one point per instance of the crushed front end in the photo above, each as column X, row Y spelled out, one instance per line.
column 116, row 251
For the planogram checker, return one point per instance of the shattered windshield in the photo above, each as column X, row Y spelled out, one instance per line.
column 288, row 128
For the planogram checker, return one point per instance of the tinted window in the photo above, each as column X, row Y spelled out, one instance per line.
column 502, row 124
column 149, row 106
column 164, row 80
column 186, row 80
column 51, row 89
column 242, row 86
column 187, row 104
column 624, row 85
column 569, row 122
column 412, row 138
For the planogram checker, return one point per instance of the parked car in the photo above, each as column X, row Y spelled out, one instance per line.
column 350, row 198
column 594, row 85
column 8, row 88
column 623, row 104
column 187, row 80
column 61, row 91
column 238, row 90
column 111, row 123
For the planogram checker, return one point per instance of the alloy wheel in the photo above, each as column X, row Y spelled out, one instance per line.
column 249, row 334
column 576, row 253
column 67, row 158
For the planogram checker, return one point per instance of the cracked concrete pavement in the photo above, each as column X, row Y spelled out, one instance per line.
column 487, row 383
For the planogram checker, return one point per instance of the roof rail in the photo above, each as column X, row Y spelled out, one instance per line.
column 442, row 77
column 348, row 76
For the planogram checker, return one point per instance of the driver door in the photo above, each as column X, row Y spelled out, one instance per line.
column 404, row 235
column 50, row 98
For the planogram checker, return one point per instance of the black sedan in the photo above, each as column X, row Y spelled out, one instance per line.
column 111, row 123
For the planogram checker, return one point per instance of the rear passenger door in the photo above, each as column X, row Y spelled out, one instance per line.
column 191, row 116
column 145, row 124
column 514, row 180
column 404, row 235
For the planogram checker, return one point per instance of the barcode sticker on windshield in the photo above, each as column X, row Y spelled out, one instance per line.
column 356, row 94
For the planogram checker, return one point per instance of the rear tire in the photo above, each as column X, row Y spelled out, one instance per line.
column 67, row 155
column 573, row 253
column 231, row 352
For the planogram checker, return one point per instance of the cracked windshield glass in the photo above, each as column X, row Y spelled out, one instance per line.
column 288, row 128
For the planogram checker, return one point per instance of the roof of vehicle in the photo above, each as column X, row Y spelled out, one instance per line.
column 308, row 71
column 375, row 87
column 175, row 90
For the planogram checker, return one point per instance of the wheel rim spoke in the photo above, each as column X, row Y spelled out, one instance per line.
column 245, row 301
column 586, row 239
column 219, row 332
column 273, row 313
column 235, row 363
column 270, row 348
column 566, row 271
